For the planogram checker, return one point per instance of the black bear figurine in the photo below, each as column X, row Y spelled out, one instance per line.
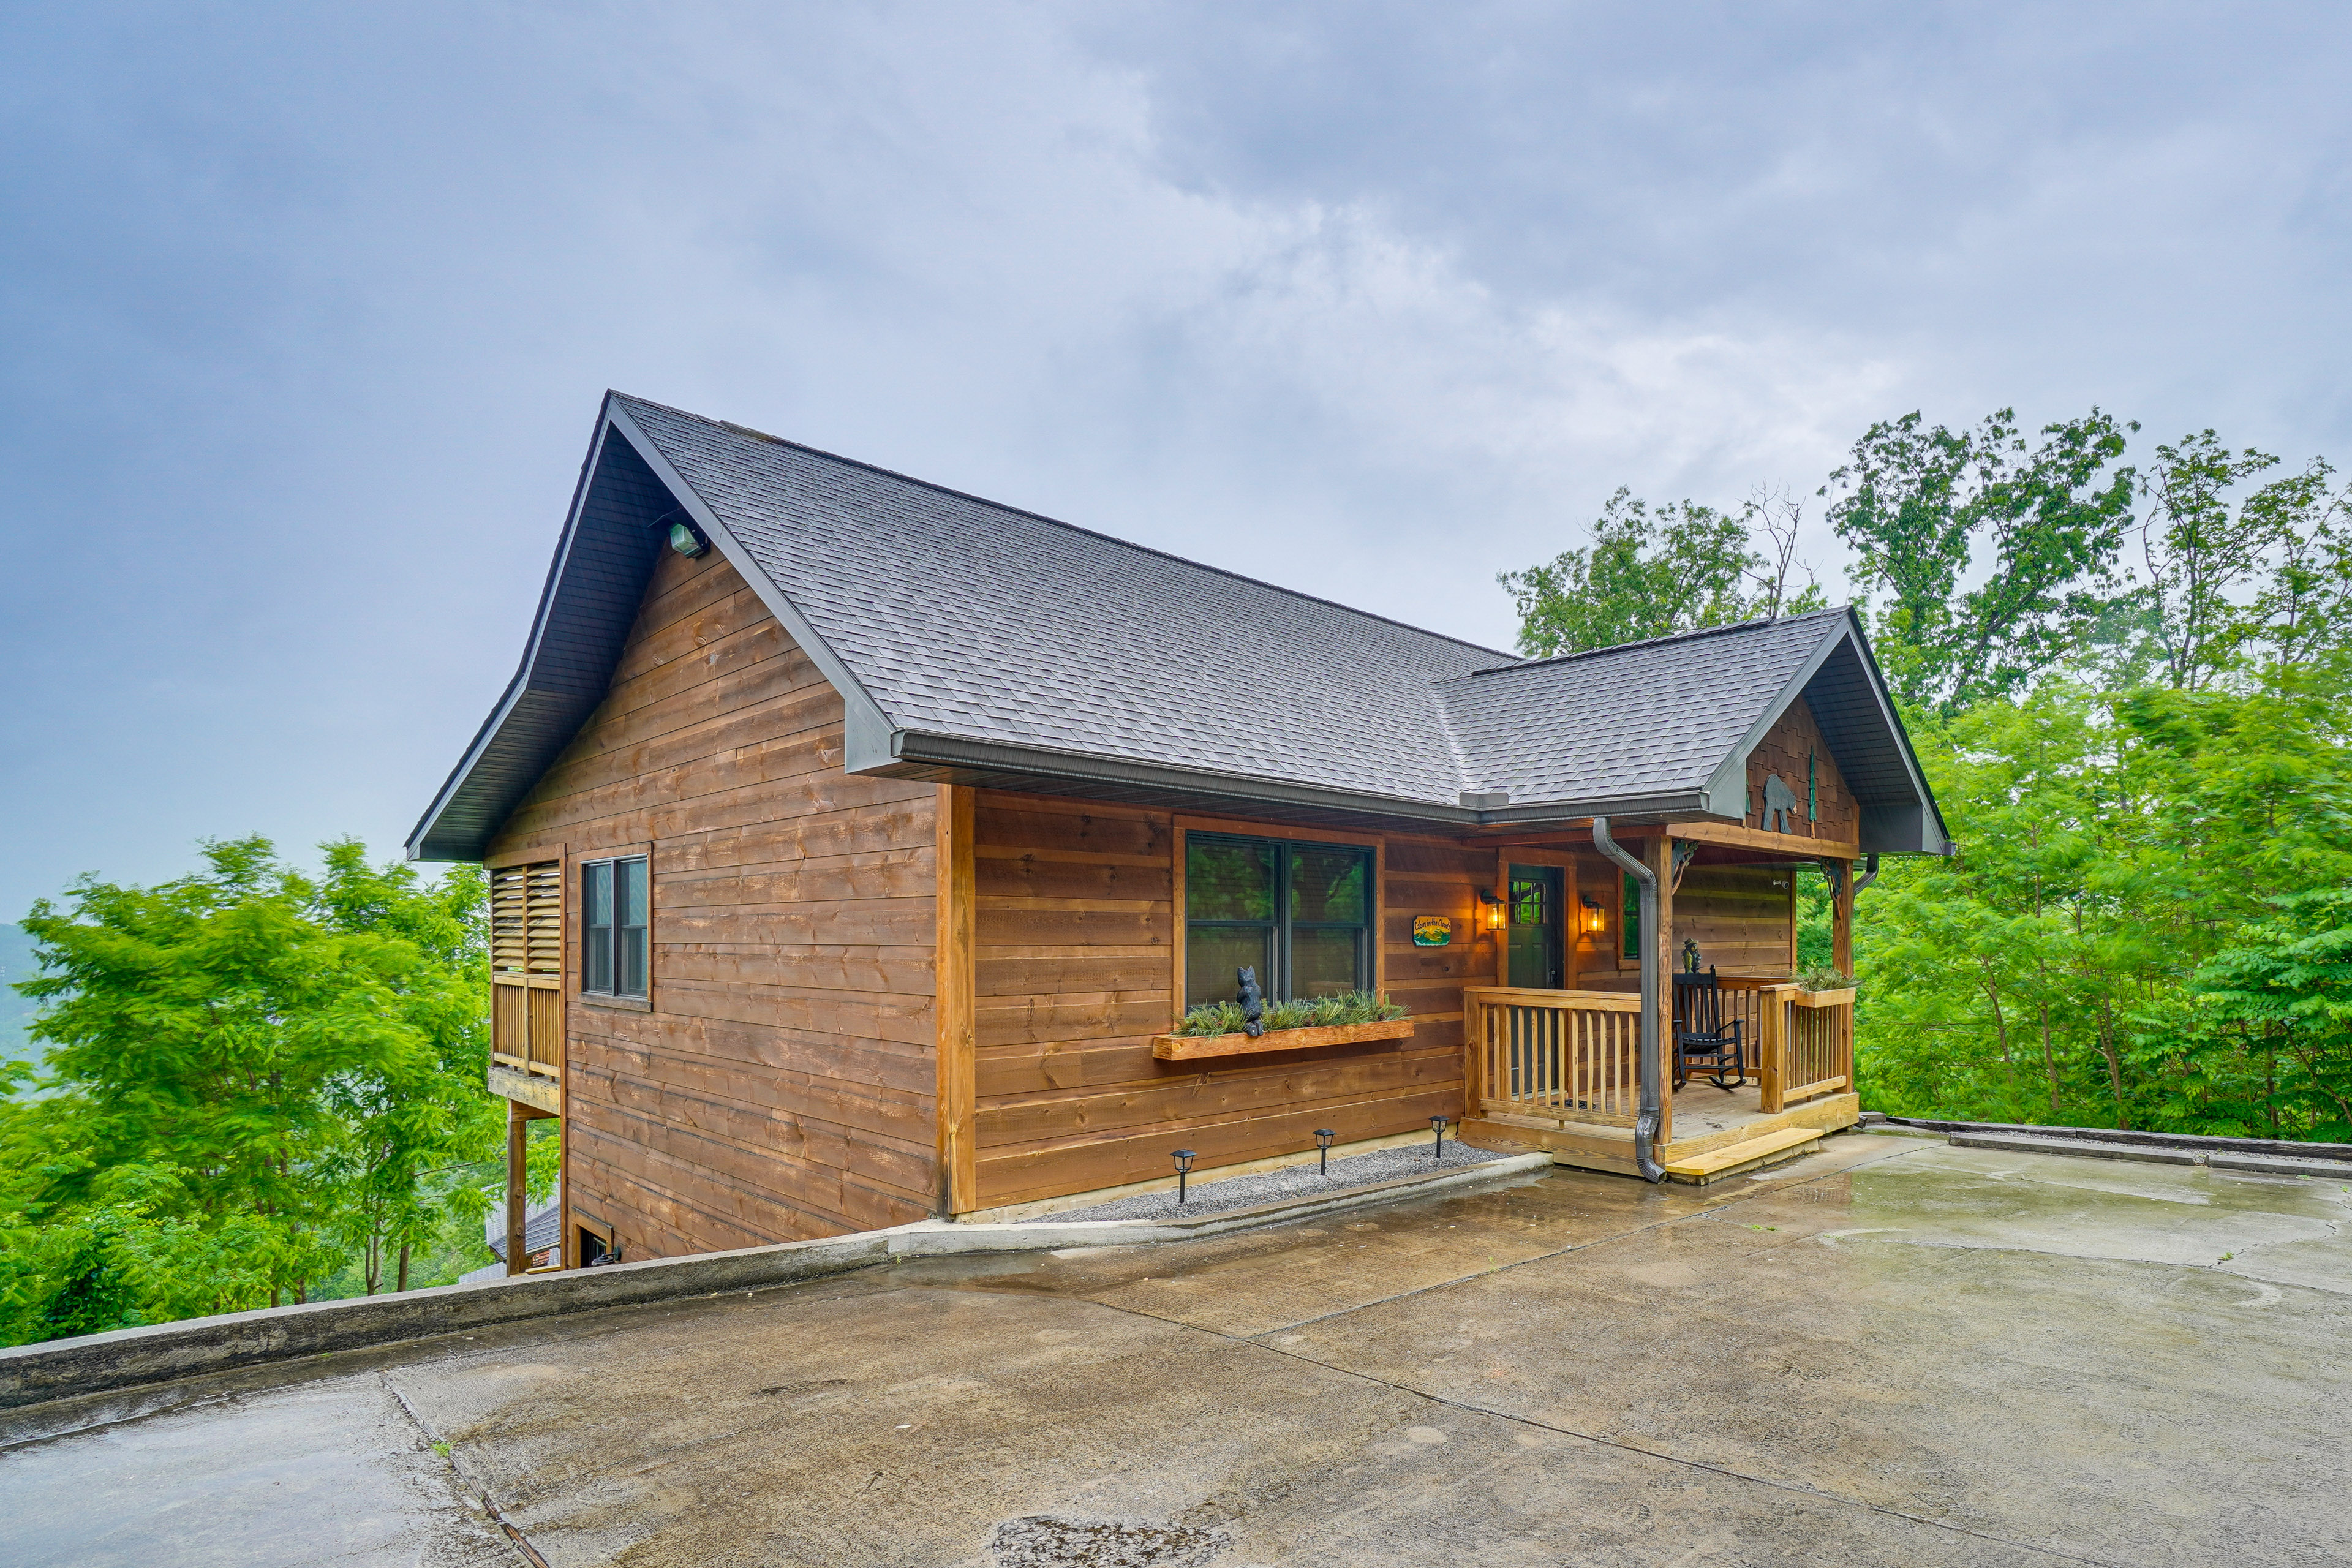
column 1253, row 1005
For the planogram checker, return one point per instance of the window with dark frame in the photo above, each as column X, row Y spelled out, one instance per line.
column 1301, row 913
column 613, row 909
column 1631, row 926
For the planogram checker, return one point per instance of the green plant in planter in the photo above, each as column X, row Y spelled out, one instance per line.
column 1312, row 1013
column 1825, row 978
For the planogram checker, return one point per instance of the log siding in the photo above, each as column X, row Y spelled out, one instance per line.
column 1077, row 963
column 780, row 1083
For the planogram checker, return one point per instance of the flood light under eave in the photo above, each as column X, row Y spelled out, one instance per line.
column 687, row 539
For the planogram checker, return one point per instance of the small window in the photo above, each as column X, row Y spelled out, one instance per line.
column 1632, row 923
column 1299, row 914
column 1527, row 900
column 613, row 910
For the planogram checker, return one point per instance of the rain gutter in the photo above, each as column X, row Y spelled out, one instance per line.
column 1653, row 1110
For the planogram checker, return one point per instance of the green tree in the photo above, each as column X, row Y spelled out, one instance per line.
column 1651, row 572
column 1916, row 504
column 2281, row 996
column 252, row 1072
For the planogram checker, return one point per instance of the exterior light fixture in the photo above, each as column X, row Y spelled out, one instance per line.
column 1183, row 1158
column 1437, row 1125
column 1491, row 908
column 1323, row 1136
column 688, row 540
column 1596, row 919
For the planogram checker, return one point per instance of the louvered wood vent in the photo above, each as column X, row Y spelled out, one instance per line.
column 527, row 967
column 527, row 919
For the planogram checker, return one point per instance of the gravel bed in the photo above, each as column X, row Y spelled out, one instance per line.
column 1290, row 1182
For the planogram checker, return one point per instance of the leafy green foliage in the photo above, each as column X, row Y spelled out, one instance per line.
column 2144, row 765
column 1651, row 572
column 1917, row 505
column 253, row 1075
column 1307, row 1013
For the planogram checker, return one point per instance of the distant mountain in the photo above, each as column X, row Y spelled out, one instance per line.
column 15, row 1012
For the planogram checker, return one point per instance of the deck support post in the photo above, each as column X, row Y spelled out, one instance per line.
column 518, row 1121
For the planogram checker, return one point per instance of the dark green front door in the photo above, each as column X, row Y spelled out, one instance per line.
column 1535, row 930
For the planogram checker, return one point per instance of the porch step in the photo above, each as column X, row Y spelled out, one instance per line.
column 2083, row 1148
column 1734, row 1158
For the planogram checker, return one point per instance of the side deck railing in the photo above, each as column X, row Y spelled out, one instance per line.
column 1806, row 1041
column 527, row 1023
column 1562, row 1055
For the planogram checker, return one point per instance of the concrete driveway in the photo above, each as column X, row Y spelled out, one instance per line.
column 1890, row 1352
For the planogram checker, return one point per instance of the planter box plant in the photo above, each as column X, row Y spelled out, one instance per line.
column 1215, row 1029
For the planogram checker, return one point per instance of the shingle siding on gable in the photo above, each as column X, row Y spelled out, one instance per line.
column 1791, row 747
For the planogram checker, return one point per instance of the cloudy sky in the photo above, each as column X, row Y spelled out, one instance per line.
column 305, row 311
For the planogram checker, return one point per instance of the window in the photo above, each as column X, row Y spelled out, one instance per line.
column 1299, row 914
column 612, row 905
column 1632, row 923
column 1528, row 896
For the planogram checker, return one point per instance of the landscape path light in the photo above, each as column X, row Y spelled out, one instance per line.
column 1183, row 1158
column 1437, row 1125
column 1323, row 1136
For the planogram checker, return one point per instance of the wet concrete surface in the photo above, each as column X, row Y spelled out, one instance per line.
column 1890, row 1351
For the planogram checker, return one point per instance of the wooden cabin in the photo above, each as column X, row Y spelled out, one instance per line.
column 854, row 845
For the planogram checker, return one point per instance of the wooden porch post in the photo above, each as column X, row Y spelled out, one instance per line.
column 519, row 1122
column 1841, row 919
column 1660, row 858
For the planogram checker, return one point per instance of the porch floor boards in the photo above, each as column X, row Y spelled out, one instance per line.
column 1705, row 1119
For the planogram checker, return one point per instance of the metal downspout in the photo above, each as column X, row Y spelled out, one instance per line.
column 1870, row 872
column 1652, row 1111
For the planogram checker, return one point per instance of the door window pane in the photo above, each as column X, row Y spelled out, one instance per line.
column 1212, row 955
column 1324, row 961
column 1228, row 880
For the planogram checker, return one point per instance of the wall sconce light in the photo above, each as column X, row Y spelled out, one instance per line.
column 1491, row 909
column 1183, row 1158
column 1323, row 1136
column 1596, row 919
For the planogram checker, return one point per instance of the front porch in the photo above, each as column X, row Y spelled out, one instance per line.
column 1560, row 1070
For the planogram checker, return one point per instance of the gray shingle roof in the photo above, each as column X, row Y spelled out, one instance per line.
column 1647, row 720
column 975, row 639
column 963, row 617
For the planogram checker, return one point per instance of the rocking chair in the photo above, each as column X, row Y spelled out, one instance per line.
column 1703, row 1047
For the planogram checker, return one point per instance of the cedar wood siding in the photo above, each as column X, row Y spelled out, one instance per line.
column 781, row 1084
column 1076, row 962
column 1742, row 917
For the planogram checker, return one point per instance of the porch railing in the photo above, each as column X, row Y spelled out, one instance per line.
column 1807, row 1044
column 1564, row 1056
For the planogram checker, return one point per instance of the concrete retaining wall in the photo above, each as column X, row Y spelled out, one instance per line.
column 127, row 1358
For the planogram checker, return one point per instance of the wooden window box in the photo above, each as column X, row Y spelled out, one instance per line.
column 1191, row 1047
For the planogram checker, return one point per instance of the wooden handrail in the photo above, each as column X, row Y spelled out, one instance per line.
column 1561, row 1055
column 1807, row 1041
